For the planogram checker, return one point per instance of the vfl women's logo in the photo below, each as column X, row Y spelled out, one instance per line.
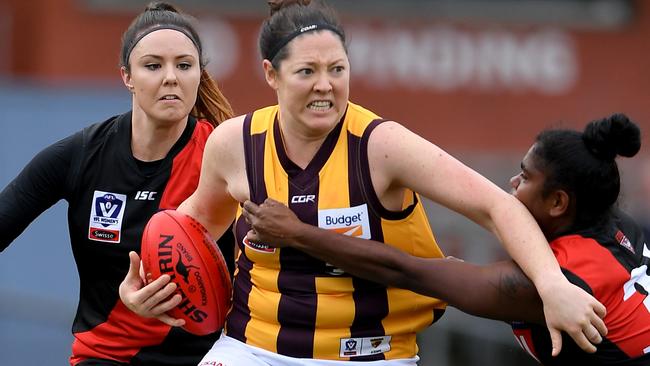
column 106, row 213
column 366, row 346
column 107, row 208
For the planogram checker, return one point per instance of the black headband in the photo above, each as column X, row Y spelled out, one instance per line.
column 156, row 27
column 299, row 31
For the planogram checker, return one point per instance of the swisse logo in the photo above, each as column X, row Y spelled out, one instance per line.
column 103, row 234
column 303, row 198
column 352, row 221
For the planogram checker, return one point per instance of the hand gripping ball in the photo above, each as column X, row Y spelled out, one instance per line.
column 176, row 244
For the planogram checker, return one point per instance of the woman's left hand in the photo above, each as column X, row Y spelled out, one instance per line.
column 569, row 308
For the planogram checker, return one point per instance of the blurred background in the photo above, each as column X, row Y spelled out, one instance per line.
column 479, row 78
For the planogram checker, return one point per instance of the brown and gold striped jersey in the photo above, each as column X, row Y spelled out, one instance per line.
column 288, row 302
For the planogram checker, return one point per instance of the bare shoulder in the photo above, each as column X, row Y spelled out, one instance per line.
column 227, row 136
column 391, row 136
column 397, row 150
column 224, row 158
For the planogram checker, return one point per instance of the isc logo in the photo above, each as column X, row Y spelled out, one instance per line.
column 145, row 196
column 303, row 198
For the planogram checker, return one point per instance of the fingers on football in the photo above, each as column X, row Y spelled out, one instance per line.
column 158, row 307
column 155, row 297
column 134, row 265
column 170, row 321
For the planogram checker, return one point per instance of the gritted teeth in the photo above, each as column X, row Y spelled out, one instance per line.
column 318, row 104
column 170, row 97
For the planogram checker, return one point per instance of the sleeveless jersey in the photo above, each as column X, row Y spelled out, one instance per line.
column 110, row 199
column 611, row 265
column 290, row 303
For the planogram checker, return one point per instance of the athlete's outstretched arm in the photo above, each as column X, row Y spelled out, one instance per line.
column 45, row 180
column 400, row 159
column 488, row 291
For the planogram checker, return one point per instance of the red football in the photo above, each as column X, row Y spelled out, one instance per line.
column 176, row 244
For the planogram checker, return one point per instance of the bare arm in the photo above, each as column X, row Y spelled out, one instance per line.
column 498, row 291
column 400, row 159
column 212, row 204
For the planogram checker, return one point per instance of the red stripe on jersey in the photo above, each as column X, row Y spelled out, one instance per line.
column 186, row 168
column 106, row 341
column 627, row 321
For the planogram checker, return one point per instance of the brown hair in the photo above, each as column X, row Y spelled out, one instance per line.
column 289, row 19
column 275, row 5
column 210, row 104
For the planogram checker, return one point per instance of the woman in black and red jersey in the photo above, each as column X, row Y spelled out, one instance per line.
column 570, row 182
column 118, row 173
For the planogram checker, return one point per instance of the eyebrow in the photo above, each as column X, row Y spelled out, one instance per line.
column 160, row 57
column 523, row 167
column 340, row 60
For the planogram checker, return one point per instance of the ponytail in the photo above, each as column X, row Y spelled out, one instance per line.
column 211, row 104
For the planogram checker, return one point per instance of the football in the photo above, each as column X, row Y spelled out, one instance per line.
column 178, row 245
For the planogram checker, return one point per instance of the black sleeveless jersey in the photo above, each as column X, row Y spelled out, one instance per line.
column 111, row 196
column 611, row 264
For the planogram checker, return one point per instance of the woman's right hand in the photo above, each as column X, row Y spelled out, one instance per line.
column 152, row 300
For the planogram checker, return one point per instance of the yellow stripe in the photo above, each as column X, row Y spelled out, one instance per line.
column 421, row 241
column 264, row 301
column 260, row 122
column 263, row 328
column 357, row 119
column 275, row 178
column 334, row 315
column 333, row 190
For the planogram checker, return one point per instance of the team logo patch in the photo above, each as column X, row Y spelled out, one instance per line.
column 257, row 246
column 624, row 241
column 106, row 214
column 353, row 347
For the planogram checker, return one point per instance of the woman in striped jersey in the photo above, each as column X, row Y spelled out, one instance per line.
column 570, row 183
column 343, row 168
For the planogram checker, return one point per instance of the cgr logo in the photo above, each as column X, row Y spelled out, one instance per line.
column 303, row 198
column 145, row 196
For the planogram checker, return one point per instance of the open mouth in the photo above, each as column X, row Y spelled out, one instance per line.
column 170, row 97
column 320, row 105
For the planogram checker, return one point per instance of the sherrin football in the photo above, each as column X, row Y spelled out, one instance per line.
column 176, row 244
